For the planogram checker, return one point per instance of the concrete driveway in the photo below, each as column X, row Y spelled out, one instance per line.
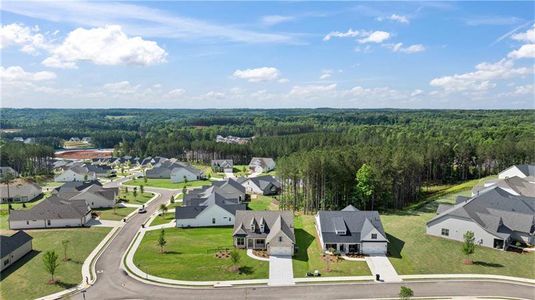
column 379, row 264
column 280, row 270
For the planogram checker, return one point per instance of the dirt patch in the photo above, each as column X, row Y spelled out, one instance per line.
column 84, row 154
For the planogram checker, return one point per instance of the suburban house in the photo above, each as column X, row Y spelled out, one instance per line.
column 522, row 171
column 14, row 247
column 261, row 164
column 351, row 231
column 265, row 230
column 182, row 172
column 513, row 185
column 231, row 189
column 76, row 173
column 92, row 192
column 496, row 217
column 215, row 210
column 8, row 170
column 261, row 185
column 101, row 170
column 222, row 165
column 53, row 212
column 20, row 190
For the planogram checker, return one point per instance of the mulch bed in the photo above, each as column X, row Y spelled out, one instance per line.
column 356, row 255
column 261, row 253
column 222, row 254
column 331, row 258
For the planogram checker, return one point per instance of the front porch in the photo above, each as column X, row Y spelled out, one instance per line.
column 250, row 243
column 343, row 248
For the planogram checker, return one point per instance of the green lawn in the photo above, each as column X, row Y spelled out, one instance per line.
column 414, row 252
column 207, row 170
column 308, row 258
column 166, row 218
column 16, row 206
column 27, row 279
column 176, row 204
column 109, row 214
column 238, row 170
column 166, row 183
column 138, row 199
column 190, row 255
column 263, row 203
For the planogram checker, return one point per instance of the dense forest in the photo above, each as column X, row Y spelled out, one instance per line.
column 318, row 151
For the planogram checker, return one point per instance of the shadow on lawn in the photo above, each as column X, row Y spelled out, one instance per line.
column 246, row 270
column 486, row 264
column 172, row 252
column 395, row 246
column 304, row 240
column 65, row 285
column 14, row 267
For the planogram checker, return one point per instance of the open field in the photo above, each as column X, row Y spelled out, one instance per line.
column 109, row 214
column 414, row 252
column 27, row 279
column 190, row 255
column 308, row 258
column 76, row 145
column 166, row 183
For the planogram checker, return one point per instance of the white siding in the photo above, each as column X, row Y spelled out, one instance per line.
column 95, row 201
column 16, row 255
column 250, row 187
column 458, row 227
column 55, row 223
column 178, row 175
column 69, row 175
column 374, row 247
column 511, row 172
column 204, row 219
column 280, row 250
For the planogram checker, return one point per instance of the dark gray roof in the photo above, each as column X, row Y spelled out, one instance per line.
column 244, row 219
column 190, row 212
column 20, row 187
column 76, row 186
column 99, row 169
column 443, row 207
column 230, row 188
column 52, row 208
column 460, row 199
column 356, row 225
column 514, row 184
column 528, row 170
column 8, row 244
column 267, row 183
column 497, row 211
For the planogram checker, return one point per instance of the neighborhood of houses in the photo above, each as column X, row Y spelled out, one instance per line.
column 500, row 212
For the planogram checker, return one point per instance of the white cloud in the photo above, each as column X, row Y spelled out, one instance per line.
column 525, row 51
column 416, row 92
column 349, row 33
column 395, row 18
column 528, row 89
column 375, row 37
column 311, row 90
column 107, row 45
column 528, row 36
column 175, row 93
column 276, row 19
column 17, row 73
column 258, row 74
column 380, row 92
column 326, row 74
column 410, row 49
column 29, row 39
column 121, row 88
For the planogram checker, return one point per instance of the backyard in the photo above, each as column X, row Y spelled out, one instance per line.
column 190, row 254
column 414, row 252
column 166, row 183
column 262, row 203
column 27, row 278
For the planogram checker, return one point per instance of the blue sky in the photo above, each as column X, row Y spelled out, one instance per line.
column 267, row 54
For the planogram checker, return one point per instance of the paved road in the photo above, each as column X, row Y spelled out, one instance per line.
column 114, row 283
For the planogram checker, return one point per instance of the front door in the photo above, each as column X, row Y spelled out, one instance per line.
column 342, row 248
column 250, row 243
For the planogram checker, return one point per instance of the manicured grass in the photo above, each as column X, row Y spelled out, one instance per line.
column 238, row 170
column 207, row 170
column 190, row 255
column 138, row 199
column 109, row 214
column 414, row 252
column 166, row 183
column 164, row 219
column 27, row 278
column 176, row 204
column 263, row 203
column 16, row 206
column 308, row 258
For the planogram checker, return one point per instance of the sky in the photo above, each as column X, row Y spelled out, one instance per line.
column 452, row 55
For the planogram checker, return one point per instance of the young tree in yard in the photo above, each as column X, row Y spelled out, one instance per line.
column 366, row 186
column 126, row 189
column 161, row 241
column 50, row 260
column 163, row 208
column 86, row 177
column 235, row 259
column 7, row 179
column 184, row 190
column 172, row 200
column 185, row 180
column 141, row 188
column 468, row 246
column 145, row 178
column 135, row 192
column 405, row 293
column 65, row 244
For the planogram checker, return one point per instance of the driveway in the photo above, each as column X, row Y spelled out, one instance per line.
column 379, row 264
column 229, row 174
column 280, row 270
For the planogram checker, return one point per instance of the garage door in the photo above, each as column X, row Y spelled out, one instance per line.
column 374, row 248
column 280, row 251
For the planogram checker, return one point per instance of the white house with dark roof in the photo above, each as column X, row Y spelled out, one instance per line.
column 215, row 210
column 94, row 195
column 522, row 171
column 272, row 231
column 76, row 173
column 182, row 172
column 513, row 185
column 261, row 164
column 20, row 190
column 496, row 217
column 53, row 212
column 14, row 247
column 261, row 185
column 351, row 231
column 222, row 165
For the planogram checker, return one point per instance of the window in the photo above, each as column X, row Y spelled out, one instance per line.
column 6, row 262
column 213, row 220
column 445, row 232
column 230, row 219
column 280, row 238
column 48, row 222
column 374, row 236
column 240, row 241
column 252, row 227
column 27, row 222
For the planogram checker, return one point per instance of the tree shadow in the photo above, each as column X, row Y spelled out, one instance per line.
column 246, row 270
column 172, row 252
column 303, row 240
column 19, row 263
column 395, row 246
column 65, row 285
column 487, row 264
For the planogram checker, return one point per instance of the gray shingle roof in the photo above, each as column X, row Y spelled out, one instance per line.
column 515, row 184
column 8, row 244
column 357, row 224
column 20, row 187
column 192, row 211
column 267, row 183
column 244, row 218
column 52, row 208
